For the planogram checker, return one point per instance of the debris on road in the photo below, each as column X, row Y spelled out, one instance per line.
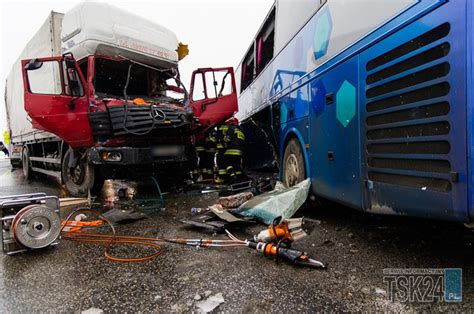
column 92, row 310
column 199, row 210
column 205, row 221
column 114, row 190
column 73, row 201
column 281, row 201
column 234, row 201
column 79, row 222
column 120, row 215
column 225, row 214
column 210, row 303
column 274, row 242
column 216, row 219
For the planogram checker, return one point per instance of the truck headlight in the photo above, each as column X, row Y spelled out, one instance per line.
column 111, row 156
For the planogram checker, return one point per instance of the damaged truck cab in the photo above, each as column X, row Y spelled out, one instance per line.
column 116, row 100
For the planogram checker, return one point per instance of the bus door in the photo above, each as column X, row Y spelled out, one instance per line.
column 334, row 135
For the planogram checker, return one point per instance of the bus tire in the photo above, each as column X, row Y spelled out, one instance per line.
column 294, row 170
column 79, row 179
column 26, row 163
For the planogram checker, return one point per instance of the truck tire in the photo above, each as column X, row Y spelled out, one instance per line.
column 294, row 170
column 80, row 179
column 26, row 163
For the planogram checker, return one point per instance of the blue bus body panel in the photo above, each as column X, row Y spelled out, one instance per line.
column 470, row 101
column 414, row 121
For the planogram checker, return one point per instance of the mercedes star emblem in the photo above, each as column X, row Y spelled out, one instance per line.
column 157, row 114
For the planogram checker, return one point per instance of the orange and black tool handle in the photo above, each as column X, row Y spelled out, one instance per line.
column 292, row 256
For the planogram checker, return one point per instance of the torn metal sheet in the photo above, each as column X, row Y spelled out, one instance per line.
column 215, row 226
column 224, row 214
column 117, row 215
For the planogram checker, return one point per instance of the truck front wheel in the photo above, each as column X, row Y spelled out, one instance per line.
column 293, row 163
column 78, row 176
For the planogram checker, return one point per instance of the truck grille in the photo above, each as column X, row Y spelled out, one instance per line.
column 139, row 119
column 407, row 107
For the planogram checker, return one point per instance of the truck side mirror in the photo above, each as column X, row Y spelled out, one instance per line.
column 34, row 64
column 70, row 63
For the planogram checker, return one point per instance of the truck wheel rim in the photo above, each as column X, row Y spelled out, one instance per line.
column 76, row 174
column 291, row 170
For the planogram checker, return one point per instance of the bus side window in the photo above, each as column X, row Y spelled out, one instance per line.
column 248, row 69
column 265, row 42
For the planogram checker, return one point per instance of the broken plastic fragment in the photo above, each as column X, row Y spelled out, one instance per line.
column 210, row 303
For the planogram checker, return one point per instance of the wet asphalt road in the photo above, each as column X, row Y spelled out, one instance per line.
column 74, row 277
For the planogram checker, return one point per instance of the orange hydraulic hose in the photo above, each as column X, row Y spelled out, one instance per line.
column 135, row 240
column 119, row 259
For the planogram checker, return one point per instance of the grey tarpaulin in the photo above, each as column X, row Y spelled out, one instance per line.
column 279, row 202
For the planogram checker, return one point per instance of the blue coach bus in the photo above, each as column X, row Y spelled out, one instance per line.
column 371, row 99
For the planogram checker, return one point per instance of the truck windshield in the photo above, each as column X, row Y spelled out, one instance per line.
column 111, row 76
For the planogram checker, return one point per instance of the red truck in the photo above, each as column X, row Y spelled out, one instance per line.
column 112, row 104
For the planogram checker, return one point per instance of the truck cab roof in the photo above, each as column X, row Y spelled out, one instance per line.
column 102, row 29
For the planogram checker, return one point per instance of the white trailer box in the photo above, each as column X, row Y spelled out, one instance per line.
column 45, row 43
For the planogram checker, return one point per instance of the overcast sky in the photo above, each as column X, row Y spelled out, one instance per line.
column 218, row 32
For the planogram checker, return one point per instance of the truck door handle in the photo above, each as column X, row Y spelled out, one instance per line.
column 72, row 104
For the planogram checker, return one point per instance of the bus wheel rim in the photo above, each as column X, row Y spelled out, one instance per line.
column 292, row 170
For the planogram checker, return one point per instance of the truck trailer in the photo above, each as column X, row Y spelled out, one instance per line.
column 97, row 94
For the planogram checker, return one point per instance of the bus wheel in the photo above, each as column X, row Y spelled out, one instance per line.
column 80, row 178
column 293, row 164
column 26, row 163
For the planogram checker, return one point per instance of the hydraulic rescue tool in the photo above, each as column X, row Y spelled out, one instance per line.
column 289, row 230
column 292, row 256
column 29, row 221
column 276, row 241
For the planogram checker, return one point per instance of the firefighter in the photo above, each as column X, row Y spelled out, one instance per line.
column 209, row 153
column 221, row 145
column 201, row 153
column 206, row 151
column 233, row 154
